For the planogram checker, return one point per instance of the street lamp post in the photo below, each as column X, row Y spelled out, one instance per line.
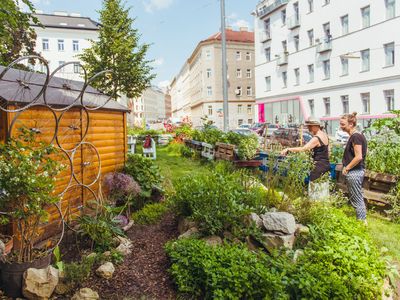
column 224, row 71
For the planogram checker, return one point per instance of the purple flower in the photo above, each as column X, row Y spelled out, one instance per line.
column 121, row 183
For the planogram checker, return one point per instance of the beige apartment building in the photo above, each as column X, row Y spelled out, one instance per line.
column 196, row 91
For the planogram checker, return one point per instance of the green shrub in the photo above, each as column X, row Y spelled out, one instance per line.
column 225, row 272
column 77, row 272
column 144, row 171
column 150, row 213
column 247, row 147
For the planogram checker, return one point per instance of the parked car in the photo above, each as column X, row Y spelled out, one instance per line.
column 271, row 128
column 341, row 136
column 290, row 137
column 244, row 126
column 244, row 131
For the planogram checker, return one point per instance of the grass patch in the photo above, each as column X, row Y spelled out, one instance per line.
column 150, row 214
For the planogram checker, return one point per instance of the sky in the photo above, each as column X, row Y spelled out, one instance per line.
column 173, row 28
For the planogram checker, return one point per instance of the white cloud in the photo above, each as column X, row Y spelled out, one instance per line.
column 45, row 2
column 164, row 84
column 152, row 5
column 234, row 21
column 158, row 61
column 241, row 23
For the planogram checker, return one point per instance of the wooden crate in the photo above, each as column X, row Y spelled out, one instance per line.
column 225, row 151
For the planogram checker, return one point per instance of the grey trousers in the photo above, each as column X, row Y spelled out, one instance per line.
column 354, row 180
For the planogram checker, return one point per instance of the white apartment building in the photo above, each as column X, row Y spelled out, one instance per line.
column 196, row 91
column 63, row 37
column 324, row 58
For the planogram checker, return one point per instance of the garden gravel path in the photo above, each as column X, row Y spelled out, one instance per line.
column 144, row 273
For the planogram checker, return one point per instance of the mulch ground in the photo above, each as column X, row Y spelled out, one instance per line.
column 144, row 273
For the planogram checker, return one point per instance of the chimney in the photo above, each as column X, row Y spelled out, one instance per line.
column 243, row 29
column 228, row 27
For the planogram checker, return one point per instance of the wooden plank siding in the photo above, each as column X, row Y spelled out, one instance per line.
column 107, row 132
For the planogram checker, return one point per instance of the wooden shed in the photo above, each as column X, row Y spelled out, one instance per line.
column 87, row 126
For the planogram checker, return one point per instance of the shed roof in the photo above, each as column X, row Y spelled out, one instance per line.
column 68, row 22
column 55, row 93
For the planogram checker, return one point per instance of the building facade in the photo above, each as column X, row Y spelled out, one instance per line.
column 63, row 37
column 196, row 92
column 322, row 58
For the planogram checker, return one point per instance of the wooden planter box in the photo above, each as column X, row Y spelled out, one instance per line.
column 248, row 163
column 225, row 151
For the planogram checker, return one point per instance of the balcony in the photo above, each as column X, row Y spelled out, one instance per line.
column 293, row 22
column 282, row 59
column 324, row 46
column 265, row 36
column 265, row 10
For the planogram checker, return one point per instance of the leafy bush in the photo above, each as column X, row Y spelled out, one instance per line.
column 336, row 154
column 217, row 201
column 77, row 272
column 185, row 131
column 247, row 147
column 229, row 272
column 150, row 213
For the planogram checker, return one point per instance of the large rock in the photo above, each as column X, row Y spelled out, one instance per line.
column 189, row 233
column 254, row 219
column 106, row 270
column 185, row 224
column 273, row 242
column 279, row 222
column 86, row 294
column 39, row 283
column 213, row 240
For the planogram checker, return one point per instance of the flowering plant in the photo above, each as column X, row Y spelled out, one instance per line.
column 27, row 176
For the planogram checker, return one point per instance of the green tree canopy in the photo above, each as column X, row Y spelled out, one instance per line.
column 118, row 50
column 17, row 38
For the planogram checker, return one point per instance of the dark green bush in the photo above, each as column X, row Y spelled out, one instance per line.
column 225, row 272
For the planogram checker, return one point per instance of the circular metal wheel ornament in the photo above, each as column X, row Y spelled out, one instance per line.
column 40, row 120
column 65, row 86
column 64, row 178
column 73, row 125
column 22, row 83
column 87, row 164
column 98, row 91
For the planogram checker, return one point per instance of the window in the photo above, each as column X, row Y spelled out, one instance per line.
column 311, row 73
column 365, row 15
column 268, row 54
column 327, row 69
column 283, row 16
column 327, row 104
column 296, row 42
column 267, row 25
column 284, row 79
column 268, row 83
column 248, row 73
column 310, row 6
column 60, row 45
column 210, row 110
column 238, row 55
column 209, row 91
column 345, row 66
column 365, row 102
column 365, row 60
column 75, row 46
column 284, row 46
column 240, row 122
column 389, row 54
column 345, row 103
column 208, row 54
column 45, row 44
column 297, row 76
column 238, row 73
column 249, row 91
column 248, row 56
column 60, row 63
column 238, row 91
column 326, row 2
column 389, row 99
column 327, row 31
column 345, row 24
column 310, row 34
column 250, row 121
column 311, row 105
column 77, row 69
column 208, row 73
column 249, row 109
column 390, row 8
column 296, row 10
column 239, row 109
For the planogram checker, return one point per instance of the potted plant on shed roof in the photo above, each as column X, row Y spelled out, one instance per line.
column 27, row 172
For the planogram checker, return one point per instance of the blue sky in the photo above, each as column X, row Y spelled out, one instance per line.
column 172, row 27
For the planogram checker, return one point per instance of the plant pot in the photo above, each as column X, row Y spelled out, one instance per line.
column 248, row 163
column 12, row 274
column 8, row 243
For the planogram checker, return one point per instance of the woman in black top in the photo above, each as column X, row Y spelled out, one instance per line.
column 319, row 145
column 354, row 163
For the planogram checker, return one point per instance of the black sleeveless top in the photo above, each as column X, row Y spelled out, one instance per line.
column 320, row 153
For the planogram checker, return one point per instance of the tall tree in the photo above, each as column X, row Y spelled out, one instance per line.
column 17, row 37
column 118, row 50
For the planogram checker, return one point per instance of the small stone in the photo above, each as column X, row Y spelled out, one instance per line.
column 189, row 233
column 107, row 253
column 272, row 241
column 297, row 254
column 92, row 255
column 213, row 240
column 106, row 270
column 302, row 230
column 124, row 246
column 62, row 289
column 39, row 283
column 86, row 294
column 185, row 224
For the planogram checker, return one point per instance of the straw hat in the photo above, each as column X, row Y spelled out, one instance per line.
column 312, row 122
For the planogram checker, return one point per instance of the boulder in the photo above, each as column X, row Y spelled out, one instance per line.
column 85, row 294
column 279, row 222
column 39, row 283
column 189, row 233
column 254, row 219
column 272, row 241
column 213, row 240
column 125, row 246
column 185, row 224
column 106, row 270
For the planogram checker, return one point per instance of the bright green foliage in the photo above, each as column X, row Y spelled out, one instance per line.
column 247, row 147
column 229, row 272
column 143, row 132
column 219, row 200
column 77, row 272
column 144, row 171
column 17, row 37
column 118, row 50
column 150, row 214
column 184, row 131
column 59, row 264
column 388, row 123
column 336, row 154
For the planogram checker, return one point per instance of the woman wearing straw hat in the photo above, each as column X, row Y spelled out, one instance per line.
column 318, row 145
